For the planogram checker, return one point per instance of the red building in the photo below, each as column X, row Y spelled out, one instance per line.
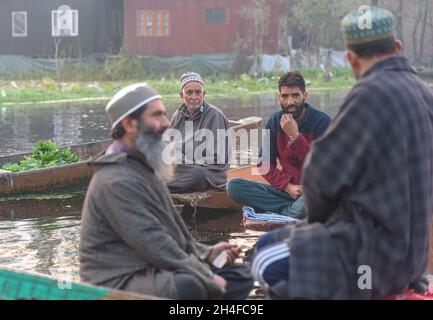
column 190, row 27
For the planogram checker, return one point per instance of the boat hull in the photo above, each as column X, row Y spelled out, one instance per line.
column 70, row 176
column 219, row 199
column 17, row 285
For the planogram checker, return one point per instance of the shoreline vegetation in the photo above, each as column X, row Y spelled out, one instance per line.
column 52, row 88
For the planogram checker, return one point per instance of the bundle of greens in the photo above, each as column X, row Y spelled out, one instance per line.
column 46, row 154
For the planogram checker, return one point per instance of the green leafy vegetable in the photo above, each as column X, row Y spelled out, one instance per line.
column 46, row 154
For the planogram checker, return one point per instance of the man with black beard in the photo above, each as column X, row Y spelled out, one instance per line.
column 132, row 238
column 292, row 130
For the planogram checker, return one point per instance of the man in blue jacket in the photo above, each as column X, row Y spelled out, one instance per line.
column 292, row 131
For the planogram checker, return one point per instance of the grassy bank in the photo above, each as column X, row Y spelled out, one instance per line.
column 47, row 88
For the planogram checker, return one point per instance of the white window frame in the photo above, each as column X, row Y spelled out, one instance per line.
column 70, row 30
column 19, row 35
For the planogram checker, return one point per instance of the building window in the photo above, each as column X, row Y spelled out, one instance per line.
column 19, row 24
column 64, row 22
column 215, row 16
column 153, row 23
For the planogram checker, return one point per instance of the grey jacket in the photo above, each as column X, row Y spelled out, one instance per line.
column 210, row 118
column 131, row 228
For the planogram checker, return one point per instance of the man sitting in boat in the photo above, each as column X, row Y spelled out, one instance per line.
column 368, row 184
column 291, row 132
column 132, row 238
column 198, row 172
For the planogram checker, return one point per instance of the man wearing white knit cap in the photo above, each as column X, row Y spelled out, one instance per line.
column 132, row 238
column 194, row 172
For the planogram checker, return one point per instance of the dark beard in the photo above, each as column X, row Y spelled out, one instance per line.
column 150, row 144
column 297, row 114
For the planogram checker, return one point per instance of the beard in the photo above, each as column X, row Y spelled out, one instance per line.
column 151, row 146
column 193, row 107
column 297, row 113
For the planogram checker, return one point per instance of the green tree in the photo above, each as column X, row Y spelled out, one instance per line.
column 413, row 24
column 258, row 13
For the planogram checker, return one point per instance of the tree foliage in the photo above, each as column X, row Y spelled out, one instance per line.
column 258, row 12
column 319, row 21
column 317, row 24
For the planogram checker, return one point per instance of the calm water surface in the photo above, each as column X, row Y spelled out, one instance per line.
column 43, row 235
column 67, row 124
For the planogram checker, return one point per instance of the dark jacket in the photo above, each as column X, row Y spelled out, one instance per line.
column 291, row 157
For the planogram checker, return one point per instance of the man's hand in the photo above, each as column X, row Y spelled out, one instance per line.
column 233, row 252
column 289, row 126
column 219, row 281
column 294, row 191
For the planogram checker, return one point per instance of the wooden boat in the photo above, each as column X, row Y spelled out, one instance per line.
column 213, row 199
column 17, row 285
column 71, row 176
column 263, row 226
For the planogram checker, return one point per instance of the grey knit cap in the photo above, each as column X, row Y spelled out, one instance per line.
column 129, row 100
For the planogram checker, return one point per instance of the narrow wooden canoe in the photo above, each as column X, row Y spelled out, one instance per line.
column 71, row 176
column 18, row 285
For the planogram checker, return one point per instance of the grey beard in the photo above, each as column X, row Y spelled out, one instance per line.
column 193, row 108
column 151, row 146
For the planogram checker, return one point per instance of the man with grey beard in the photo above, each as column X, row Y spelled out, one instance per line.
column 132, row 238
column 198, row 171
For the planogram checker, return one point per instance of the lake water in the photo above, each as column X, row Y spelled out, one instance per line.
column 43, row 235
column 22, row 126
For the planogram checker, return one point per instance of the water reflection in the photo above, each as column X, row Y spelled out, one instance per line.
column 50, row 245
column 67, row 126
column 45, row 245
column 34, row 206
column 22, row 126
